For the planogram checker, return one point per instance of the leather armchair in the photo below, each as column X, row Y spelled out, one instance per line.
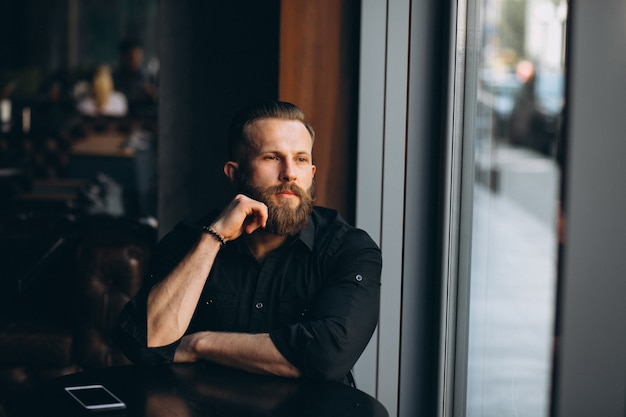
column 65, row 322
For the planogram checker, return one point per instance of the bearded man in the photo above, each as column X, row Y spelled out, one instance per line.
column 272, row 284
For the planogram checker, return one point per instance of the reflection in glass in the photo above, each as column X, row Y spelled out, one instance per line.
column 518, row 104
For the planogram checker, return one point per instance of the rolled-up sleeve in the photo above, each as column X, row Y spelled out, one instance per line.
column 342, row 318
column 132, row 335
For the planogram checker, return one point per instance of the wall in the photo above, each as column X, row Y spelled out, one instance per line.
column 402, row 98
column 591, row 349
column 319, row 51
column 216, row 57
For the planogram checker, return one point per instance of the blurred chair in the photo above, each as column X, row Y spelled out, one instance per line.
column 64, row 321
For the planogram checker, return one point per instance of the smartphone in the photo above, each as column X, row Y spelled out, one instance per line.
column 95, row 397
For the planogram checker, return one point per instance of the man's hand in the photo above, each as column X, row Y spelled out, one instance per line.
column 185, row 351
column 243, row 214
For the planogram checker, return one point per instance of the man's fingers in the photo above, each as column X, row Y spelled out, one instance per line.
column 253, row 223
column 256, row 215
column 242, row 214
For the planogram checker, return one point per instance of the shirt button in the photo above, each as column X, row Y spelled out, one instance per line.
column 359, row 278
column 259, row 306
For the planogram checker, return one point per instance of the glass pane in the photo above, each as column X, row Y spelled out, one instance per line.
column 518, row 105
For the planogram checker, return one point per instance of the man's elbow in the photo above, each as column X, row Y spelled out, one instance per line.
column 328, row 373
column 328, row 368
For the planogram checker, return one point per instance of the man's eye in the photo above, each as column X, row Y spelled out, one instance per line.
column 271, row 157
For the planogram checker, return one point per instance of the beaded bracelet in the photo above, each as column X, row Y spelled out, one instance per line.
column 213, row 233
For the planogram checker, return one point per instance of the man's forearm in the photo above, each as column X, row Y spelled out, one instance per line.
column 250, row 352
column 172, row 302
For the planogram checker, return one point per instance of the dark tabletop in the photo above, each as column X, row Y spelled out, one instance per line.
column 201, row 389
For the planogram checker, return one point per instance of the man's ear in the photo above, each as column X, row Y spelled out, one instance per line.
column 230, row 169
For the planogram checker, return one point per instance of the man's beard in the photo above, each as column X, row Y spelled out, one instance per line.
column 282, row 219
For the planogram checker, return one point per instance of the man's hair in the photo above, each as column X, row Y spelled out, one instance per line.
column 239, row 144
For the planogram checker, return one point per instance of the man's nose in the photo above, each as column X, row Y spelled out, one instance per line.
column 288, row 172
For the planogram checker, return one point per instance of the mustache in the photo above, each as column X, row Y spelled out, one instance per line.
column 246, row 186
column 293, row 188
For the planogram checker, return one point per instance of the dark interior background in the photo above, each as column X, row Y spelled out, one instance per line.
column 210, row 58
column 40, row 38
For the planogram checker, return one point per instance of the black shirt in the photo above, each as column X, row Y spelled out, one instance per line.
column 317, row 295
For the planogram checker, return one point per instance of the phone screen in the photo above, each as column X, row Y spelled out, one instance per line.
column 95, row 397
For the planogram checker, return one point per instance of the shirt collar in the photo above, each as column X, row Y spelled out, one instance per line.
column 307, row 234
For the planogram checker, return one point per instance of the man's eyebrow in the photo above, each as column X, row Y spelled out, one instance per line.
column 276, row 151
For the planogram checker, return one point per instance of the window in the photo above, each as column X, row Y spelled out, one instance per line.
column 513, row 101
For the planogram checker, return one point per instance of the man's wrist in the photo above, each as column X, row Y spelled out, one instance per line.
column 217, row 236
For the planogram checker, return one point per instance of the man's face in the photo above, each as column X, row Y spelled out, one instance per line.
column 280, row 172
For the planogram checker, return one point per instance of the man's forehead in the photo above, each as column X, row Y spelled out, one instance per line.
column 262, row 132
column 269, row 122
